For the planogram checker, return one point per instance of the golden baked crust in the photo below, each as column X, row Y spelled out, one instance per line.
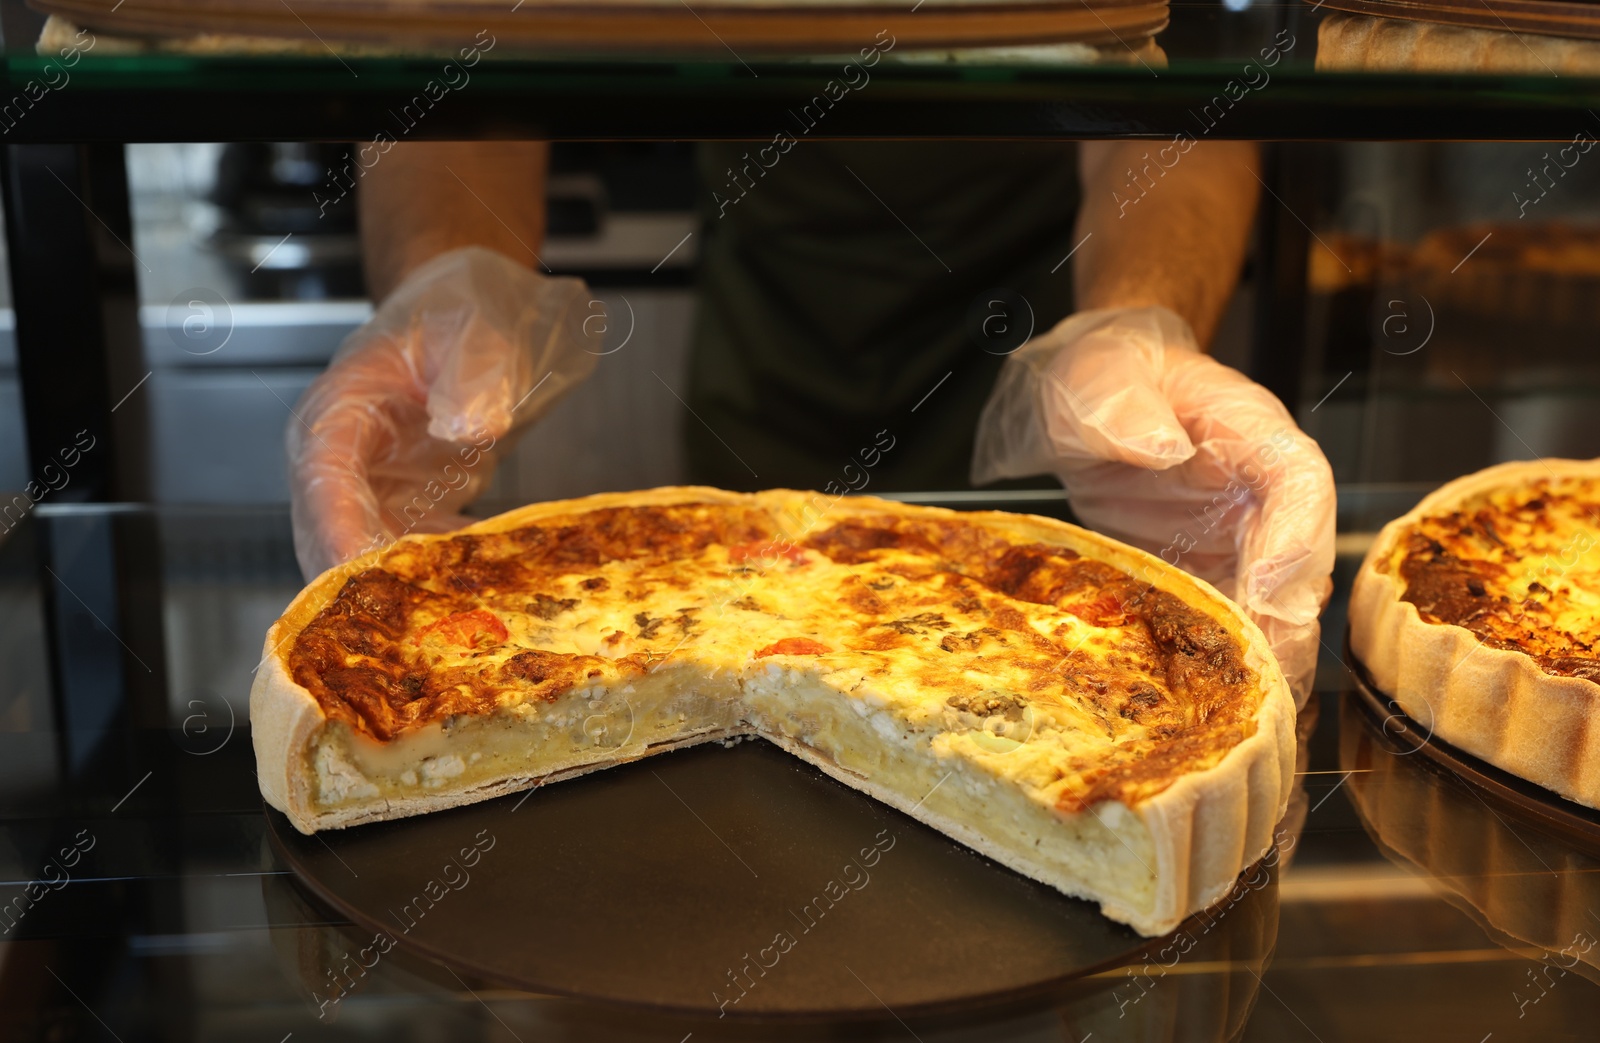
column 1006, row 650
column 1358, row 42
column 1475, row 612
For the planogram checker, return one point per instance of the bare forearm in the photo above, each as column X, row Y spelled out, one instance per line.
column 424, row 198
column 1172, row 232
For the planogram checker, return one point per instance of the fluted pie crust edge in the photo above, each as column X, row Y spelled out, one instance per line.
column 1206, row 826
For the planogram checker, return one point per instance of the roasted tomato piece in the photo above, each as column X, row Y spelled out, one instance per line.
column 772, row 550
column 794, row 646
column 1103, row 611
column 466, row 629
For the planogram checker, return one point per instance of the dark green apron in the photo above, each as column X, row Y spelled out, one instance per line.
column 844, row 285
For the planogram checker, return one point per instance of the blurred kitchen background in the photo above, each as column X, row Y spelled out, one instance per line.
column 264, row 314
column 1447, row 323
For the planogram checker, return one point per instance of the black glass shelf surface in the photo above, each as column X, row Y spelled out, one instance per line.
column 1401, row 905
column 1252, row 73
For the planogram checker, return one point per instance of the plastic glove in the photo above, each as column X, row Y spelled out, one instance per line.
column 1167, row 449
column 403, row 428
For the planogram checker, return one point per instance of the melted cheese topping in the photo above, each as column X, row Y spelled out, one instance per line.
column 920, row 645
column 1519, row 567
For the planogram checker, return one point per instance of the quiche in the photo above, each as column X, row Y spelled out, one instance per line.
column 1479, row 614
column 1073, row 708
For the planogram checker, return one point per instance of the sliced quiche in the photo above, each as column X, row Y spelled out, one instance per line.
column 1073, row 708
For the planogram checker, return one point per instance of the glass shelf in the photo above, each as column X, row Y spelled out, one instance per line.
column 1262, row 72
column 1402, row 905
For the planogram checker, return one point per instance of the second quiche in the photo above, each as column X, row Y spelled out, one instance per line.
column 1479, row 614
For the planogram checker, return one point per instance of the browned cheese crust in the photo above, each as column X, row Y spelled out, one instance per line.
column 1503, row 567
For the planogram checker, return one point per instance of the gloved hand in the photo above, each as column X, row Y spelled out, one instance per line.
column 403, row 428
column 1167, row 449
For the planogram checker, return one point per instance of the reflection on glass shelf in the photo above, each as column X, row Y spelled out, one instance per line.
column 213, row 939
column 1533, row 890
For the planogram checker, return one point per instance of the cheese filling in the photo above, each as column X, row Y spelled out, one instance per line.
column 955, row 777
column 529, row 741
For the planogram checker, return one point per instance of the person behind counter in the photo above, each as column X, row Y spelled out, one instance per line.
column 837, row 289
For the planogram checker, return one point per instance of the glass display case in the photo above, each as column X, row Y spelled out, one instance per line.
column 1419, row 292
